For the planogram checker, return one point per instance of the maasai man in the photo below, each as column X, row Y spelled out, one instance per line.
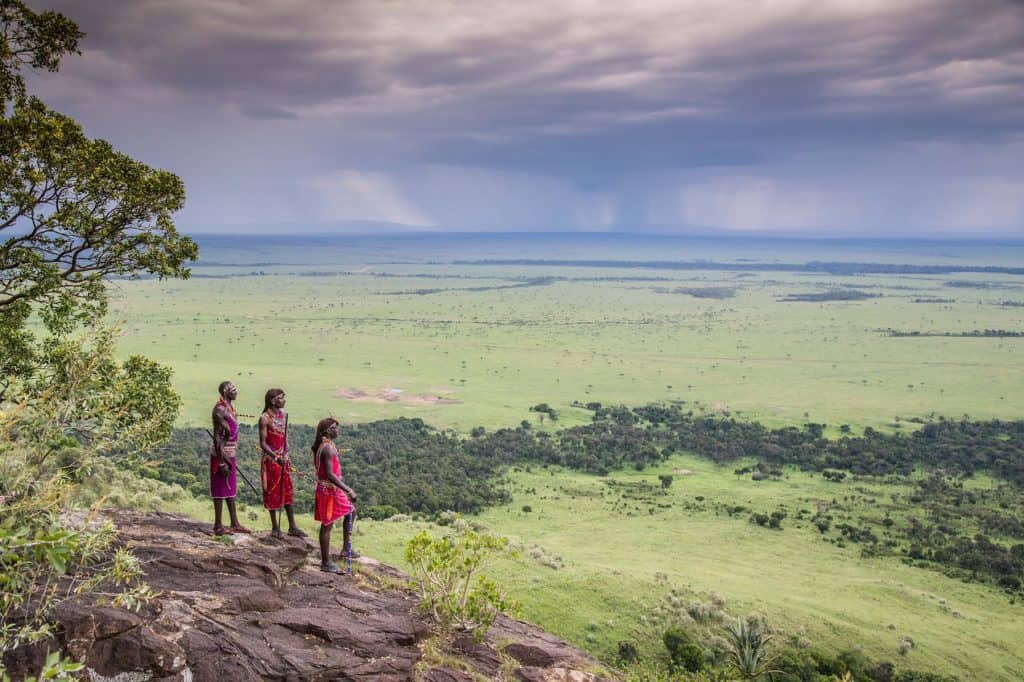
column 275, row 467
column 333, row 498
column 223, row 468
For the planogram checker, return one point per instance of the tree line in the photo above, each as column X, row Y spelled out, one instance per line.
column 405, row 466
column 413, row 467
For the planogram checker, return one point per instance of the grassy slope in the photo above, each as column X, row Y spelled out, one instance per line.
column 799, row 581
column 612, row 554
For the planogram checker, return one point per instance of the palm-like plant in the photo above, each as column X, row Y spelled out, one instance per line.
column 748, row 652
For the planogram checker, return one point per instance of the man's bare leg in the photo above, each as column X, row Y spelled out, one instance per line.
column 218, row 517
column 293, row 529
column 325, row 550
column 233, row 511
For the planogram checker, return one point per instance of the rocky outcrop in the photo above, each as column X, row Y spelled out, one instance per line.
column 259, row 609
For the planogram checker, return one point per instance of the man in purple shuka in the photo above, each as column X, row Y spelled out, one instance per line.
column 223, row 468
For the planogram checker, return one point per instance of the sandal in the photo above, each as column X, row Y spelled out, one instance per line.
column 276, row 533
column 297, row 533
column 331, row 568
column 343, row 555
column 240, row 529
column 221, row 530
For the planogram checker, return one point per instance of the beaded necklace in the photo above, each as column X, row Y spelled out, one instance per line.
column 275, row 420
column 317, row 459
column 230, row 408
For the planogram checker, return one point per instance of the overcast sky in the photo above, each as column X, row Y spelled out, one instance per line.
column 845, row 117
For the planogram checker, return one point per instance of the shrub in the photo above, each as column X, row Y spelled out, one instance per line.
column 446, row 573
column 796, row 666
column 855, row 661
column 682, row 651
column 628, row 652
column 446, row 518
column 883, row 671
column 49, row 442
column 379, row 512
column 916, row 676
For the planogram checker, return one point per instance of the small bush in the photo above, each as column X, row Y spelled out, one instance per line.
column 628, row 653
column 682, row 651
column 378, row 512
column 446, row 573
column 446, row 518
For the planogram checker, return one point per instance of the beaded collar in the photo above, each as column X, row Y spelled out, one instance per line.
column 230, row 407
column 276, row 419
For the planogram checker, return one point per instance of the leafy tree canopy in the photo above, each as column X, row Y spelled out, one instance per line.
column 73, row 210
column 28, row 38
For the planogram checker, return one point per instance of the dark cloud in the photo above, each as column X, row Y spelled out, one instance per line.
column 590, row 94
column 266, row 113
column 567, row 70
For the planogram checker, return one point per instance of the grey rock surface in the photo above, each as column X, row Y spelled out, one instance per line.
column 260, row 609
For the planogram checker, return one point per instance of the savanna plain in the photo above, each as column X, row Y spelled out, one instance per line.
column 471, row 332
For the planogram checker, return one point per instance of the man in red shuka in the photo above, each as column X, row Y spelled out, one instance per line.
column 333, row 498
column 275, row 466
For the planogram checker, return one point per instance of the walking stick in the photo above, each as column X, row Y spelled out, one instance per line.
column 291, row 465
column 351, row 534
column 237, row 468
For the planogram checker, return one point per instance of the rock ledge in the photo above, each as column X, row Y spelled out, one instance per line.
column 260, row 609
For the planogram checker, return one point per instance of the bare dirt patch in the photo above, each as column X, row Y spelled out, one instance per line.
column 682, row 472
column 350, row 393
column 390, row 394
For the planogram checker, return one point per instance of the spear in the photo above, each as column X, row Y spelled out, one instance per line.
column 237, row 468
column 351, row 534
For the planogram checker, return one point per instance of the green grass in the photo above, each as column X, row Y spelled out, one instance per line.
column 612, row 555
column 800, row 582
column 496, row 353
column 492, row 354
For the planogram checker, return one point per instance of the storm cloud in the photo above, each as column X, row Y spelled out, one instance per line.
column 853, row 117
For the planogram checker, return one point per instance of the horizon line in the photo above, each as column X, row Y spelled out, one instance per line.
column 603, row 233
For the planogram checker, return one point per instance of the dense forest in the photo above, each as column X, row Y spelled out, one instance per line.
column 406, row 466
column 396, row 466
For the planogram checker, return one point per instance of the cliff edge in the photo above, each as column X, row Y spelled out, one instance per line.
column 260, row 609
